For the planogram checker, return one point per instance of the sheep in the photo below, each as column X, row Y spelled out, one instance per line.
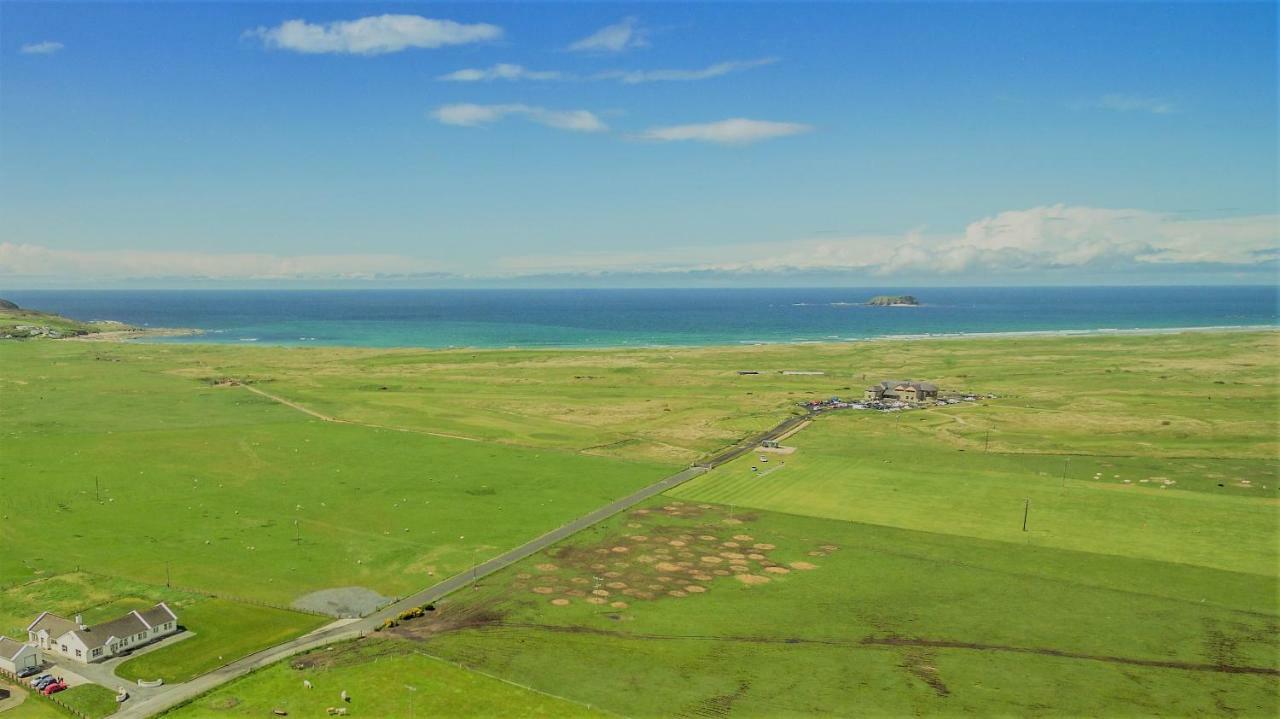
column 306, row 683
column 345, row 696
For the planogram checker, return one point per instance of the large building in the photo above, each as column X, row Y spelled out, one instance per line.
column 901, row 390
column 83, row 643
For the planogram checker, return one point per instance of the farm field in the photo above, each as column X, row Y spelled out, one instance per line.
column 872, row 468
column 684, row 609
column 386, row 678
column 1156, row 596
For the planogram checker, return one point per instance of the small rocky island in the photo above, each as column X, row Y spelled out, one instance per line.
column 893, row 301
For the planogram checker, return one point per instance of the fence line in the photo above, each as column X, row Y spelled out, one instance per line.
column 18, row 683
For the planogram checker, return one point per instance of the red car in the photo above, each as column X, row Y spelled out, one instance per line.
column 55, row 687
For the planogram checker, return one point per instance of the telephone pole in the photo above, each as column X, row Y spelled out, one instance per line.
column 1026, row 509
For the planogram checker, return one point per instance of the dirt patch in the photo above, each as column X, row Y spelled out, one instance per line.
column 752, row 579
column 342, row 601
column 803, row 565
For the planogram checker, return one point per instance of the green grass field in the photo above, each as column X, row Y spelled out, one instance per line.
column 1153, row 597
column 385, row 678
column 90, row 700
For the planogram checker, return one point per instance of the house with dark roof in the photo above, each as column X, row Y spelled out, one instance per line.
column 16, row 656
column 903, row 390
column 83, row 643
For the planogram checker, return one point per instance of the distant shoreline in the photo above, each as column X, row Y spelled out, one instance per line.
column 141, row 337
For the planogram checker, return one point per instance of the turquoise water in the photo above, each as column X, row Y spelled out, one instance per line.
column 603, row 318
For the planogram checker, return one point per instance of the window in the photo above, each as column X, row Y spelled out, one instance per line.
column 64, row 647
column 78, row 654
column 97, row 652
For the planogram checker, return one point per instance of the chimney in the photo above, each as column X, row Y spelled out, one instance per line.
column 80, row 621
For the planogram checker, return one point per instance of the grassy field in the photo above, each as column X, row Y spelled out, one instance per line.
column 1144, row 597
column 869, row 467
column 90, row 700
column 223, row 631
column 684, row 609
column 385, row 678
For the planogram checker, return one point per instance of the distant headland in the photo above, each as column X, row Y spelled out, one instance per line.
column 17, row 323
column 893, row 301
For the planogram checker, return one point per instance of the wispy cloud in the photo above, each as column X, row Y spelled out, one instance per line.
column 470, row 115
column 623, row 35
column 511, row 72
column 734, row 131
column 374, row 35
column 48, row 47
column 503, row 71
column 1121, row 102
column 633, row 77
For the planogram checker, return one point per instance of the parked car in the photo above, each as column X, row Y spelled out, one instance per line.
column 45, row 681
column 39, row 679
column 54, row 688
column 28, row 672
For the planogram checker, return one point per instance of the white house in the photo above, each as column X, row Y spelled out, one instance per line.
column 83, row 643
column 16, row 656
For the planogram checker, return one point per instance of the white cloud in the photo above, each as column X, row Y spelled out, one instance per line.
column 735, row 131
column 632, row 77
column 48, row 47
column 470, row 115
column 26, row 260
column 375, row 35
column 508, row 71
column 623, row 35
column 1121, row 102
column 502, row 71
column 1057, row 237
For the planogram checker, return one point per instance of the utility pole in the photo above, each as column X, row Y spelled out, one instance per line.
column 166, row 574
column 1026, row 509
column 96, row 497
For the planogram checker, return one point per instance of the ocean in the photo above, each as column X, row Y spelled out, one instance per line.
column 634, row 317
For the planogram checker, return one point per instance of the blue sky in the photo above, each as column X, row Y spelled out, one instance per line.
column 752, row 143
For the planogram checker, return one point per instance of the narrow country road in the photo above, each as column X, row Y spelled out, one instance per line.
column 175, row 694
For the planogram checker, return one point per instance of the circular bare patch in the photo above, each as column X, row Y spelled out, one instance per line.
column 560, row 602
column 731, row 520
column 575, row 593
column 543, row 590
column 619, row 605
column 595, row 600
column 545, row 567
column 523, row 575
column 600, row 592
column 730, row 545
column 645, row 559
column 633, row 525
column 641, row 511
column 695, row 589
column 738, row 562
column 638, row 538
column 803, row 565
column 620, row 549
column 666, row 567
column 677, row 593
column 676, row 543
column 712, row 560
column 764, row 547
column 700, row 576
column 655, row 587
column 720, row 572
column 752, row 580
column 617, row 585
column 755, row 556
column 597, row 566
column 828, row 547
column 738, row 568
column 580, row 580
column 707, row 537
column 816, row 553
column 612, row 575
column 777, row 570
column 665, row 580
column 732, row 555
column 743, row 537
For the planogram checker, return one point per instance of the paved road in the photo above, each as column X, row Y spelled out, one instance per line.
column 172, row 695
column 175, row 694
